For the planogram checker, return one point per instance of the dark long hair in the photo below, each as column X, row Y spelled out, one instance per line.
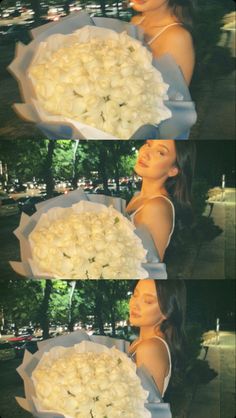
column 179, row 187
column 171, row 295
column 184, row 11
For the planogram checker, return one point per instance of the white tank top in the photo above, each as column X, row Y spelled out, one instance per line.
column 159, row 33
column 132, row 215
column 167, row 378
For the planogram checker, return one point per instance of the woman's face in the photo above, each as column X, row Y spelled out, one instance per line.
column 143, row 306
column 148, row 5
column 157, row 159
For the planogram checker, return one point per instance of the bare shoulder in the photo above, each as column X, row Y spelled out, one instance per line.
column 153, row 349
column 178, row 35
column 177, row 41
column 158, row 206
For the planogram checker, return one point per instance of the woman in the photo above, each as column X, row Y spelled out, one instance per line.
column 166, row 27
column 158, row 309
column 166, row 168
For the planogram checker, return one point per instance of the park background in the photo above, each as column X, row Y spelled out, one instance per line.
column 32, row 171
column 213, row 84
column 32, row 309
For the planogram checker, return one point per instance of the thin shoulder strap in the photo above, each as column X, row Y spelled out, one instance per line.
column 167, row 348
column 141, row 20
column 161, row 32
column 173, row 213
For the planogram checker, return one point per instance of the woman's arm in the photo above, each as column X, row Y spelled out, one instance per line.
column 157, row 216
column 177, row 41
column 153, row 355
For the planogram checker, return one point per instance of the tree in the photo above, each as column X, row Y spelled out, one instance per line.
column 19, row 300
column 36, row 6
column 212, row 59
column 48, row 175
column 25, row 159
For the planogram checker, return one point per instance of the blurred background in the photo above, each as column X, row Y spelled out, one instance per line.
column 213, row 84
column 32, row 171
column 33, row 310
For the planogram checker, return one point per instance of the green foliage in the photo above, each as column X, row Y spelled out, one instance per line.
column 25, row 159
column 207, row 33
column 19, row 300
column 195, row 371
column 93, row 302
column 200, row 191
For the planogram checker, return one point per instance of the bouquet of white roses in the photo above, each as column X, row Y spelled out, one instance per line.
column 101, row 79
column 105, row 87
column 89, row 380
column 50, row 214
column 35, row 368
column 86, row 241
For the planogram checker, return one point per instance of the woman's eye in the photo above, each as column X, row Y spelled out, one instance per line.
column 149, row 302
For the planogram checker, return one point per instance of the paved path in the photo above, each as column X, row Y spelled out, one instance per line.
column 216, row 258
column 216, row 107
column 216, row 399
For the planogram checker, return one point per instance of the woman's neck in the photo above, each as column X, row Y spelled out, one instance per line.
column 159, row 17
column 151, row 188
column 149, row 332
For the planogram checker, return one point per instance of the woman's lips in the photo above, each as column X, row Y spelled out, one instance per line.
column 142, row 163
column 134, row 315
column 138, row 1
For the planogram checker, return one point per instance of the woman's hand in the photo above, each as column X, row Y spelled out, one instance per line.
column 157, row 216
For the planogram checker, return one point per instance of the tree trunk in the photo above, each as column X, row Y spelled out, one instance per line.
column 35, row 4
column 117, row 176
column 43, row 314
column 75, row 174
column 98, row 308
column 70, row 306
column 112, row 308
column 117, row 7
column 67, row 6
column 48, row 176
column 102, row 167
column 113, row 321
column 103, row 8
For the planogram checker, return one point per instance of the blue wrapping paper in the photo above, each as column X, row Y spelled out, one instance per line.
column 155, row 403
column 180, row 103
column 155, row 269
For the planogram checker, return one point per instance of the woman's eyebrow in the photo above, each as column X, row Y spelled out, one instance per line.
column 163, row 146
column 150, row 294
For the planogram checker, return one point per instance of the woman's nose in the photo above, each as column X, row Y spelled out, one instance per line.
column 134, row 303
column 145, row 152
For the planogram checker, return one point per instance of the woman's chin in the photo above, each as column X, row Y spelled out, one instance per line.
column 138, row 170
column 136, row 7
column 135, row 322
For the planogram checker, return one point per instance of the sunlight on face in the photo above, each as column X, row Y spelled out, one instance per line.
column 157, row 159
column 144, row 307
column 149, row 5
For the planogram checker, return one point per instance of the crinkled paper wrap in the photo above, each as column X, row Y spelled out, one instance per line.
column 155, row 404
column 179, row 103
column 57, row 213
column 154, row 268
